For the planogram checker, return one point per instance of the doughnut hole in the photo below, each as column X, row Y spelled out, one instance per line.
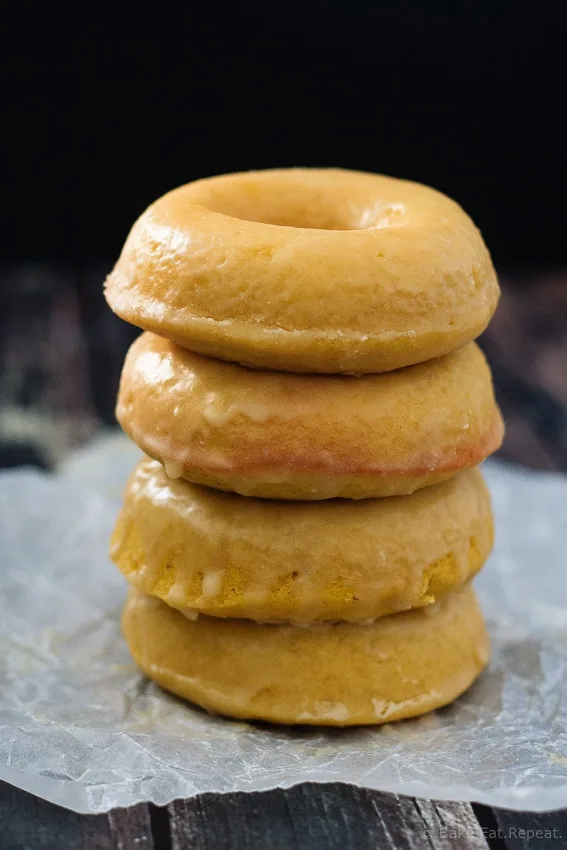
column 302, row 202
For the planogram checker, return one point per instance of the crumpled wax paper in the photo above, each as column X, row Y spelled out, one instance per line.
column 82, row 728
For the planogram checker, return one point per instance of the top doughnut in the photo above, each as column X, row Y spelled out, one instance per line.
column 307, row 270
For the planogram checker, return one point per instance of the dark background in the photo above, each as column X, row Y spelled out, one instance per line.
column 107, row 112
column 470, row 100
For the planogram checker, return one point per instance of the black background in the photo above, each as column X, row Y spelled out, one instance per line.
column 111, row 108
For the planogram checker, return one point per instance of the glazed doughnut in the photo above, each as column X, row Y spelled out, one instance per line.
column 277, row 435
column 230, row 556
column 335, row 675
column 307, row 270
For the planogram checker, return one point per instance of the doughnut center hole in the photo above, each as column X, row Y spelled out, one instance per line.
column 300, row 204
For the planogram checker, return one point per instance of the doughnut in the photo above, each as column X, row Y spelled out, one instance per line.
column 307, row 270
column 326, row 674
column 284, row 436
column 226, row 555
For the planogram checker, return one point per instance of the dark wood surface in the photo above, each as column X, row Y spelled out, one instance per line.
column 306, row 817
column 60, row 356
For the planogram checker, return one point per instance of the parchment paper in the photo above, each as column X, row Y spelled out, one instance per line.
column 79, row 726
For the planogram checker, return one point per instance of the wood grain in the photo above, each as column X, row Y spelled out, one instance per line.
column 529, row 830
column 306, row 817
column 29, row 823
column 321, row 817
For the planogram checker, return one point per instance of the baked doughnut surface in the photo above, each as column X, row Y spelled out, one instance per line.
column 334, row 675
column 308, row 436
column 230, row 556
column 307, row 270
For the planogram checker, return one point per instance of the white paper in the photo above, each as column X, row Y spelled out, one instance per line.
column 81, row 727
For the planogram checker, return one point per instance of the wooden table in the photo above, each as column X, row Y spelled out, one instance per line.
column 56, row 402
column 306, row 817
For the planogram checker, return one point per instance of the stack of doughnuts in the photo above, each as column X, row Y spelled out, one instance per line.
column 301, row 535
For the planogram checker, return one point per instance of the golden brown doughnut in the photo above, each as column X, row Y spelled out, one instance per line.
column 308, row 436
column 333, row 675
column 230, row 556
column 307, row 270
